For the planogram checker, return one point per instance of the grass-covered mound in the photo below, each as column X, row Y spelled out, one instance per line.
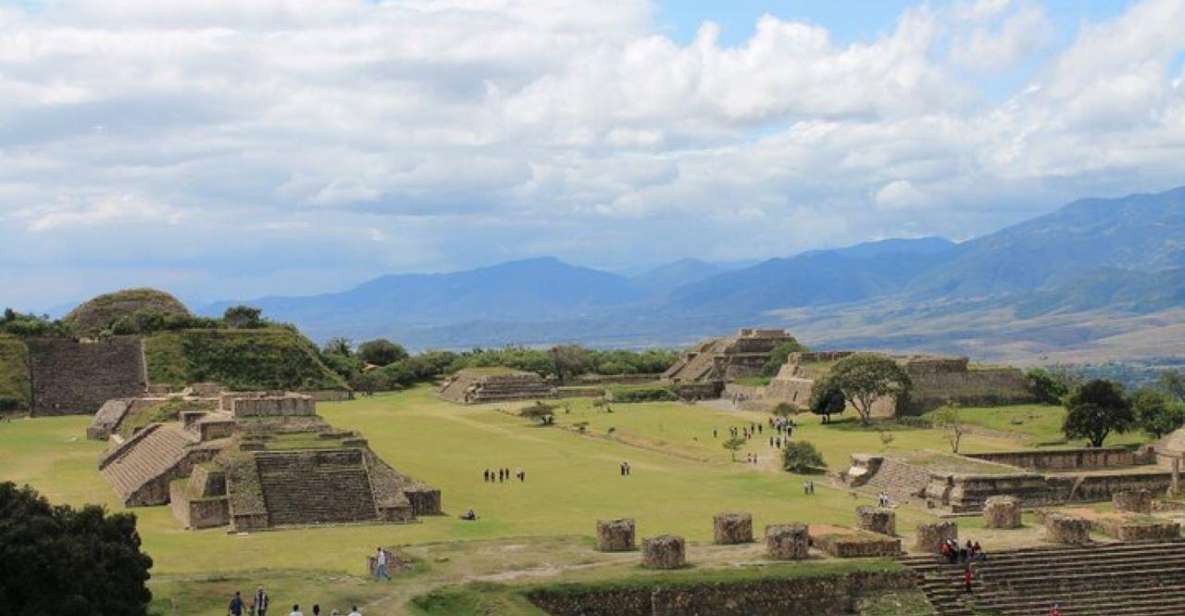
column 14, row 373
column 100, row 313
column 241, row 359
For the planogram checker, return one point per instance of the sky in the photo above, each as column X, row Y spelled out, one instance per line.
column 223, row 149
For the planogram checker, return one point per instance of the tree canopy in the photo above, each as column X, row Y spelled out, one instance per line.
column 865, row 378
column 61, row 560
column 381, row 352
column 801, row 457
column 1156, row 413
column 1095, row 410
column 827, row 399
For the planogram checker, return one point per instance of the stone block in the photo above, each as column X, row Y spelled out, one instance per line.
column 615, row 535
column 877, row 520
column 931, row 536
column 664, row 552
column 1061, row 528
column 1002, row 512
column 788, row 541
column 1134, row 501
column 730, row 528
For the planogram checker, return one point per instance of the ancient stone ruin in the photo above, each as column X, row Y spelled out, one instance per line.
column 1061, row 528
column 482, row 385
column 1135, row 501
column 732, row 528
column 843, row 542
column 930, row 537
column 664, row 552
column 615, row 535
column 1002, row 512
column 77, row 377
column 787, row 541
column 713, row 362
column 260, row 460
column 877, row 520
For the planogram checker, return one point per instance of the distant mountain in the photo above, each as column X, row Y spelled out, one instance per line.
column 662, row 279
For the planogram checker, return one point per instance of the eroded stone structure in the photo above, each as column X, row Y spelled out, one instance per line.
column 615, row 535
column 70, row 377
column 1002, row 512
column 1062, row 528
column 1136, row 501
column 788, row 541
column 258, row 461
column 481, row 385
column 717, row 360
column 851, row 543
column 930, row 537
column 732, row 528
column 877, row 520
column 664, row 552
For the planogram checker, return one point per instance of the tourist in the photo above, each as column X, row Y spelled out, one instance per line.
column 945, row 549
column 1055, row 610
column 296, row 611
column 316, row 610
column 380, row 565
column 967, row 578
column 236, row 605
column 259, row 606
column 759, row 429
column 354, row 612
column 714, row 433
column 469, row 515
column 978, row 552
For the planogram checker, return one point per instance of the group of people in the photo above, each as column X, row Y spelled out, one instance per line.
column 751, row 458
column 624, row 468
column 503, row 475
column 259, row 604
column 808, row 487
column 955, row 554
column 883, row 500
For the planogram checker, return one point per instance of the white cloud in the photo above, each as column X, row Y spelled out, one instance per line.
column 202, row 135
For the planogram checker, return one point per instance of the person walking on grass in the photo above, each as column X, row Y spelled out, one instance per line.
column 259, row 605
column 380, row 565
column 354, row 612
column 236, row 605
column 296, row 611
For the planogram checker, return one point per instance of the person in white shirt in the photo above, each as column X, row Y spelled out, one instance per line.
column 296, row 611
column 355, row 612
column 380, row 565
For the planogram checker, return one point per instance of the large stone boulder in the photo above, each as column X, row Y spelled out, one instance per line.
column 1002, row 512
column 931, row 536
column 664, row 552
column 877, row 520
column 615, row 535
column 1062, row 528
column 1135, row 501
column 788, row 541
column 730, row 528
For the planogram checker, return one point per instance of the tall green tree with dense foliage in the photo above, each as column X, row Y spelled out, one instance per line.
column 1047, row 387
column 569, row 361
column 827, row 399
column 61, row 560
column 865, row 378
column 779, row 355
column 801, row 457
column 380, row 352
column 1095, row 410
column 1156, row 413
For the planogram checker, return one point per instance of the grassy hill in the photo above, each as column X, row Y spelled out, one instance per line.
column 241, row 359
column 14, row 372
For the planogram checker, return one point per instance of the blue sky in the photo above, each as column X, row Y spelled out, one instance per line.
column 227, row 149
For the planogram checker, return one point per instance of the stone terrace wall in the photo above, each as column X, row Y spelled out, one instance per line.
column 317, row 486
column 1069, row 459
column 824, row 595
column 269, row 405
column 964, row 493
column 76, row 378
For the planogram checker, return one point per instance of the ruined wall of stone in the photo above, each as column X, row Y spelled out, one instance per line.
column 829, row 595
column 930, row 537
column 1068, row 459
column 978, row 387
column 732, row 528
column 76, row 378
column 1072, row 530
column 877, row 520
column 858, row 544
column 664, row 552
column 615, row 535
column 1002, row 512
column 269, row 405
column 966, row 493
column 1135, row 501
column 787, row 541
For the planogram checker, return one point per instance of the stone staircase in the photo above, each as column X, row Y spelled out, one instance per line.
column 145, row 457
column 315, row 487
column 902, row 481
column 1118, row 579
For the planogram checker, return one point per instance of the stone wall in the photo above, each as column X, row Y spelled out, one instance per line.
column 281, row 404
column 75, row 378
column 856, row 544
column 615, row 535
column 967, row 493
column 1002, row 512
column 664, row 552
column 1135, row 501
column 817, row 595
column 732, row 528
column 1061, row 528
column 930, row 537
column 315, row 487
column 787, row 541
column 877, row 520
column 197, row 512
column 1069, row 459
column 477, row 386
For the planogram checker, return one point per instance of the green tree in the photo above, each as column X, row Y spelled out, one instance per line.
column 243, row 317
column 1045, row 386
column 1156, row 413
column 733, row 445
column 380, row 352
column 61, row 560
column 950, row 421
column 1095, row 410
column 1173, row 383
column 779, row 355
column 569, row 361
column 865, row 378
column 827, row 399
column 802, row 457
column 338, row 346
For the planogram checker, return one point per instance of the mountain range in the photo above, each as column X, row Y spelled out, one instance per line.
column 1097, row 277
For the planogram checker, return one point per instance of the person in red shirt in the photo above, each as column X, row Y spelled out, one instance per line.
column 1055, row 611
column 967, row 579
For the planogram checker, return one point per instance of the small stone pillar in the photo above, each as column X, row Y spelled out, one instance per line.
column 788, row 541
column 877, row 520
column 615, row 535
column 1175, row 486
column 1136, row 501
column 1061, row 528
column 664, row 552
column 730, row 528
column 931, row 536
column 1001, row 512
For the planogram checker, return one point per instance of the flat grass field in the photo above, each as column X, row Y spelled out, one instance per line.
column 681, row 477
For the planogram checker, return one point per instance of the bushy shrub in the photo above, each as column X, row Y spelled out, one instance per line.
column 802, row 457
column 9, row 404
column 381, row 352
column 641, row 393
